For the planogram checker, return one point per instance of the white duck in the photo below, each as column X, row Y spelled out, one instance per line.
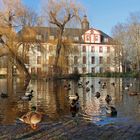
column 74, row 97
column 29, row 93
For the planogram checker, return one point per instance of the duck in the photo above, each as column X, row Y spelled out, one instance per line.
column 74, row 97
column 108, row 99
column 98, row 94
column 29, row 93
column 80, row 85
column 27, row 98
column 87, row 89
column 113, row 83
column 111, row 111
column 128, row 86
column 104, row 85
column 74, row 107
column 32, row 118
column 92, row 86
column 67, row 87
column 87, row 82
column 133, row 93
column 4, row 95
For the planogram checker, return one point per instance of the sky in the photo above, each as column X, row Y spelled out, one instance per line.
column 102, row 14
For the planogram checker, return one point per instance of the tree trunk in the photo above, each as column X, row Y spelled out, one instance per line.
column 58, row 50
column 19, row 61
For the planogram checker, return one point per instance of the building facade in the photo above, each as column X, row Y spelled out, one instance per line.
column 96, row 52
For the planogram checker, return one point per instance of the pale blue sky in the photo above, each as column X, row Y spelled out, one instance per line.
column 103, row 14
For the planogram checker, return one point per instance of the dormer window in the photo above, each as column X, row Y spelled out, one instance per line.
column 87, row 38
column 105, row 39
column 96, row 37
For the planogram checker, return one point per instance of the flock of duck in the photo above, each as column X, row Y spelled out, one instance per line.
column 109, row 108
column 33, row 117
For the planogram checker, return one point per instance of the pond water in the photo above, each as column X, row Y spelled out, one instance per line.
column 51, row 98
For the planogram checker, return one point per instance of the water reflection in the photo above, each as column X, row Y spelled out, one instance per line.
column 52, row 98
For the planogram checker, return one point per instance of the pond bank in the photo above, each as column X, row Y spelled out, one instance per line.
column 70, row 130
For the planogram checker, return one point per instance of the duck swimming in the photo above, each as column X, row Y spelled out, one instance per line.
column 4, row 95
column 32, row 118
column 29, row 93
column 111, row 111
column 74, row 107
column 98, row 94
column 74, row 97
column 27, row 98
column 108, row 99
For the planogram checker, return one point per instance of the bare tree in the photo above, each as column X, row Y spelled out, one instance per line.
column 12, row 17
column 60, row 13
column 127, row 36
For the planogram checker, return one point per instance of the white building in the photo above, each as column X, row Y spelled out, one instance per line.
column 96, row 52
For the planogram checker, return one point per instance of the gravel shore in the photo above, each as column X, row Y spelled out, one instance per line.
column 70, row 130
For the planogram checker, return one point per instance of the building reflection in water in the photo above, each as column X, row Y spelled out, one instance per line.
column 52, row 98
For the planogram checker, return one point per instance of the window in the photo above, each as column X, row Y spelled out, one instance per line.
column 76, row 38
column 108, row 60
column 101, row 70
column 32, row 70
column 92, row 60
column 38, row 59
column 39, row 70
column 39, row 48
column 96, row 37
column 105, row 39
column 92, row 49
column 100, row 60
column 75, row 70
column 84, row 69
column 84, row 48
column 87, row 38
column 108, row 49
column 38, row 37
column 92, row 31
column 84, row 59
column 51, row 37
column 107, row 69
column 100, row 49
column 75, row 60
column 93, row 70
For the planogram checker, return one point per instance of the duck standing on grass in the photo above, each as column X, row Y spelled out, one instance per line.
column 32, row 117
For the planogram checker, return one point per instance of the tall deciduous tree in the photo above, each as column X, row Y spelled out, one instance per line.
column 127, row 36
column 60, row 13
column 14, row 14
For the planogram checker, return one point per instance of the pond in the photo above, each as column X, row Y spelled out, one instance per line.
column 51, row 98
